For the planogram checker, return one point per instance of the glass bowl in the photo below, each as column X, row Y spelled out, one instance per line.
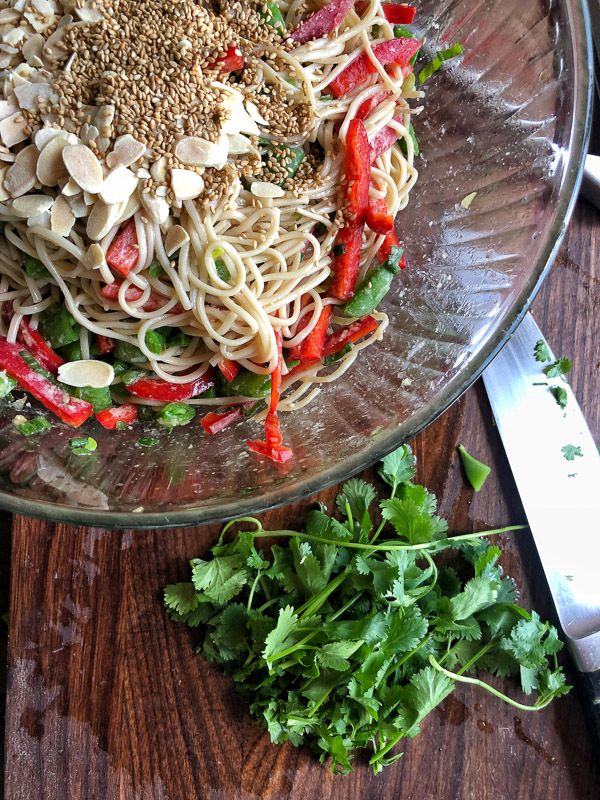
column 508, row 120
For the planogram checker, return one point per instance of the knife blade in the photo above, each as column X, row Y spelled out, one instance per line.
column 561, row 497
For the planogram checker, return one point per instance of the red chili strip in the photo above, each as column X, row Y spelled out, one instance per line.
column 393, row 51
column 109, row 418
column 33, row 341
column 312, row 346
column 391, row 240
column 105, row 343
column 370, row 104
column 70, row 409
column 123, row 253
column 378, row 218
column 349, row 333
column 323, row 22
column 158, row 389
column 232, row 60
column 213, row 422
column 398, row 14
column 133, row 293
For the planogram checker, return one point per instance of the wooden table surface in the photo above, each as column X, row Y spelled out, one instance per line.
column 106, row 699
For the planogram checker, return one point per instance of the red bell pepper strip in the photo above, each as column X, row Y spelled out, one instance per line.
column 272, row 446
column 393, row 51
column 229, row 368
column 323, row 22
column 378, row 218
column 133, row 293
column 158, row 389
column 296, row 351
column 122, row 255
column 349, row 333
column 110, row 416
column 399, row 14
column 232, row 60
column 105, row 343
column 312, row 346
column 70, row 409
column 384, row 250
column 370, row 104
column 39, row 347
column 349, row 239
column 213, row 422
column 384, row 140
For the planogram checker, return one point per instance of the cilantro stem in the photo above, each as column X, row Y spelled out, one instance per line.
column 449, row 542
column 397, row 664
column 255, row 521
column 475, row 682
column 380, row 753
column 476, row 657
column 252, row 590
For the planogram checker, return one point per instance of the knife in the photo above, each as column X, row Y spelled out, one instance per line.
column 561, row 497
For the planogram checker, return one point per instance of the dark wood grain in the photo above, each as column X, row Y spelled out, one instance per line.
column 107, row 699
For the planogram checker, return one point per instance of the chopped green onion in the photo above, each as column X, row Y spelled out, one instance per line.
column 99, row 398
column 36, row 366
column 475, row 471
column 179, row 339
column 288, row 158
column 347, row 348
column 147, row 441
column 145, row 413
column 132, row 374
column 440, row 57
column 34, row 267
column 156, row 269
column 222, row 270
column 7, row 384
column 248, row 384
column 128, row 352
column 211, row 392
column 402, row 142
column 402, row 32
column 34, row 426
column 174, row 414
column 273, row 16
column 120, row 367
column 155, row 341
column 326, row 97
column 249, row 411
column 83, row 445
column 57, row 326
column 121, row 425
column 297, row 216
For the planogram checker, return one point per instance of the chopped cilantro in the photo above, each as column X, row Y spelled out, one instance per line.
column 343, row 640
column 560, row 367
column 541, row 351
column 560, row 394
column 570, row 451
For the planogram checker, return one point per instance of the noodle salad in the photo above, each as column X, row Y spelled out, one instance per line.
column 197, row 202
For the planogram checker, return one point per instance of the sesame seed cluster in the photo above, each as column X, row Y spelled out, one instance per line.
column 118, row 101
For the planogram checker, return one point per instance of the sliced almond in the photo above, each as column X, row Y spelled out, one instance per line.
column 157, row 208
column 78, row 205
column 96, row 374
column 30, row 205
column 101, row 220
column 199, row 152
column 52, row 50
column 70, row 189
column 128, row 209
column 46, row 134
column 255, row 114
column 88, row 133
column 236, row 144
column 4, row 195
column 12, row 129
column 50, row 166
column 158, row 170
column 266, row 189
column 21, row 176
column 8, row 107
column 95, row 256
column 89, row 13
column 30, row 93
column 33, row 49
column 14, row 36
column 62, row 218
column 176, row 237
column 186, row 185
column 118, row 185
column 43, row 220
column 83, row 167
column 125, row 152
column 161, row 191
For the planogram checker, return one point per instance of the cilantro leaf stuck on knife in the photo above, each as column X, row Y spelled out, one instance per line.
column 346, row 635
column 541, row 351
column 570, row 451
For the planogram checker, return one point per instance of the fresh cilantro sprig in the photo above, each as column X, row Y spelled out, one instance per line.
column 557, row 369
column 348, row 633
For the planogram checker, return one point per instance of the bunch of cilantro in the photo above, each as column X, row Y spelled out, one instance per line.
column 345, row 639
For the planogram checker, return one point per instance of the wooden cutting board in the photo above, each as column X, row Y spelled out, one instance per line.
column 108, row 701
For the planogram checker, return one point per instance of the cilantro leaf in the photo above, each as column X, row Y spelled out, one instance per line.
column 358, row 494
column 570, row 451
column 560, row 367
column 398, row 467
column 560, row 395
column 181, row 597
column 335, row 655
column 279, row 638
column 411, row 521
column 541, row 351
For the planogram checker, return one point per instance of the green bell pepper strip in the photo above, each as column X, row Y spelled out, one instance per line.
column 57, row 326
column 132, row 374
column 145, row 413
column 155, row 341
column 402, row 142
column 374, row 287
column 174, row 414
column 249, row 384
column 289, row 160
column 440, row 58
column 156, row 269
column 98, row 398
column 179, row 339
column 125, row 351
